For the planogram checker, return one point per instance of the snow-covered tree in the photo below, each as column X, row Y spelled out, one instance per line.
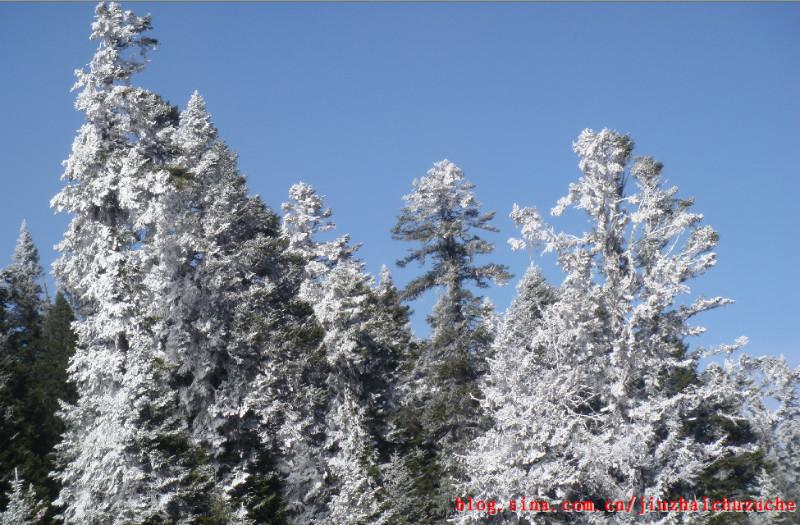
column 522, row 318
column 23, row 508
column 772, row 406
column 443, row 216
column 229, row 316
column 506, row 380
column 394, row 356
column 350, row 449
column 172, row 255
column 604, row 389
column 304, row 217
column 365, row 334
column 114, row 467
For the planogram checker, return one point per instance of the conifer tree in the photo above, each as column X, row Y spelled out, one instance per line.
column 228, row 315
column 603, row 416
column 317, row 491
column 23, row 309
column 49, row 387
column 395, row 352
column 23, row 508
column 25, row 301
column 353, row 358
column 395, row 414
column 185, row 306
column 112, row 463
column 444, row 218
column 366, row 333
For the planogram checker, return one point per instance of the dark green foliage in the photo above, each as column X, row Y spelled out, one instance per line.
column 260, row 494
column 440, row 419
column 48, row 387
column 37, row 342
column 179, row 177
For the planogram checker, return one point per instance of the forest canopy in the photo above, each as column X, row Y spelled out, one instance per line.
column 209, row 360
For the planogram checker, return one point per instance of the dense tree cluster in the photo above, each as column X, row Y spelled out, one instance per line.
column 207, row 361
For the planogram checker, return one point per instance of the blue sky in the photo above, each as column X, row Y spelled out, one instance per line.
column 359, row 99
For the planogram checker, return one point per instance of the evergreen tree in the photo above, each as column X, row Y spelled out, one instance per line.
column 25, row 301
column 443, row 216
column 23, row 309
column 185, row 308
column 507, row 379
column 593, row 411
column 228, row 316
column 395, row 352
column 23, row 507
column 49, row 387
column 366, row 334
column 397, row 417
column 350, row 448
column 113, row 465
column 304, row 217
column 169, row 306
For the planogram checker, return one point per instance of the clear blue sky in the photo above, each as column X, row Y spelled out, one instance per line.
column 358, row 99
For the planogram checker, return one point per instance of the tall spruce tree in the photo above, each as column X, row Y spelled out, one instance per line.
column 350, row 449
column 507, row 379
column 398, row 423
column 187, row 310
column 229, row 317
column 366, row 334
column 168, row 305
column 444, row 218
column 116, row 459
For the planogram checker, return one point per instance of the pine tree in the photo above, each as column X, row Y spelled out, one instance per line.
column 304, row 217
column 23, row 507
column 350, row 449
column 366, row 333
column 226, row 314
column 25, row 297
column 169, row 302
column 185, row 304
column 505, row 386
column 110, row 463
column 49, row 387
column 443, row 216
column 396, row 414
column 596, row 413
column 23, row 309
column 394, row 353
